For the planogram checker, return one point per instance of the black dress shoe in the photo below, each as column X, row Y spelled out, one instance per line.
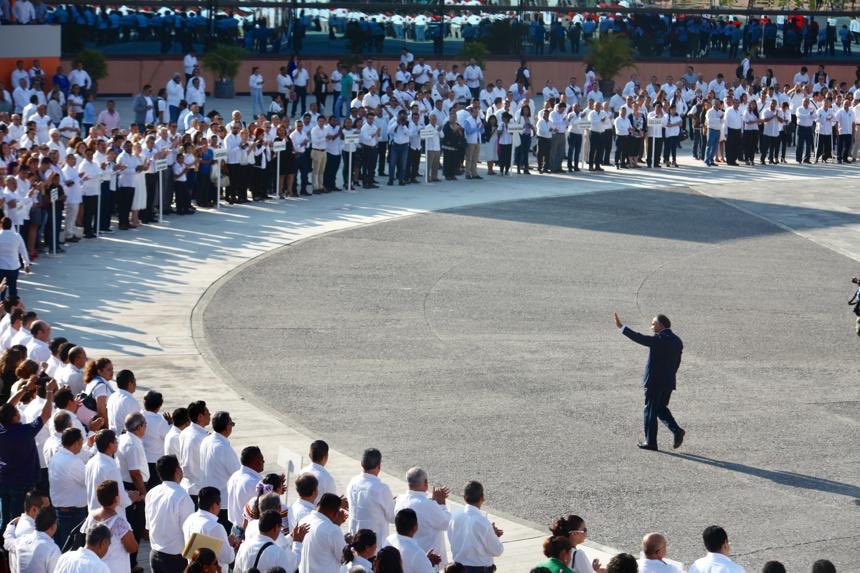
column 644, row 446
column 679, row 439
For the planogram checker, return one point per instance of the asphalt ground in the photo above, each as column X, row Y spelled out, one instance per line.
column 479, row 344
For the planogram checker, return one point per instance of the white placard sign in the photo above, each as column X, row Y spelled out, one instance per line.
column 160, row 164
column 515, row 127
column 655, row 121
column 350, row 137
column 428, row 131
column 279, row 146
column 219, row 154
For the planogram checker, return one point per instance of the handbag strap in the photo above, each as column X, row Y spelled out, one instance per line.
column 260, row 552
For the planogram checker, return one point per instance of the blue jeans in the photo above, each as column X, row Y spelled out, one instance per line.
column 174, row 113
column 397, row 156
column 11, row 276
column 67, row 519
column 698, row 143
column 713, row 145
column 257, row 101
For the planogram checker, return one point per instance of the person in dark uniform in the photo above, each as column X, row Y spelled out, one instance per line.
column 664, row 358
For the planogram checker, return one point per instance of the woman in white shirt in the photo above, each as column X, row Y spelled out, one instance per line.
column 673, row 136
column 506, row 144
column 349, row 150
column 139, row 200
column 750, row 132
column 359, row 551
column 122, row 542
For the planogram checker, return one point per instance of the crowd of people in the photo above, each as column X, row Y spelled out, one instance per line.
column 88, row 470
column 366, row 125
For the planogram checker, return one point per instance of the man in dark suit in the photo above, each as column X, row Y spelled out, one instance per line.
column 664, row 358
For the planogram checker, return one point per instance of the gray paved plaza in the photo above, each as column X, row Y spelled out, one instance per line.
column 478, row 342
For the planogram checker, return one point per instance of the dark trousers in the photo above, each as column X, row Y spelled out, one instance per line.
column 413, row 161
column 368, row 162
column 825, row 147
column 67, row 519
column 655, row 149
column 670, row 149
column 544, row 146
column 124, row 196
column 595, row 149
column 750, row 139
column 521, row 155
column 11, row 276
column 450, row 162
column 769, row 148
column 332, row 162
column 12, row 502
column 91, row 207
column 843, row 149
column 154, row 480
column 698, row 143
column 505, row 157
column 303, row 167
column 301, row 96
column 804, row 143
column 137, row 519
column 657, row 408
column 574, row 148
column 163, row 563
column 381, row 148
column 107, row 206
column 151, row 190
column 734, row 145
column 398, row 157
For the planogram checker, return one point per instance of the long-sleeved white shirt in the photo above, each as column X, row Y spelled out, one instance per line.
column 322, row 548
column 473, row 541
column 175, row 93
column 37, row 553
column 189, row 457
column 67, row 476
column 119, row 405
column 325, row 481
column 371, row 505
column 218, row 461
column 433, row 521
column 167, row 507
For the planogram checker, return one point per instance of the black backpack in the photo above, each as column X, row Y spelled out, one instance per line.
column 739, row 71
column 88, row 400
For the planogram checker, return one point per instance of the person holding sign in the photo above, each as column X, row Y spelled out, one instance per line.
column 432, row 135
column 506, row 143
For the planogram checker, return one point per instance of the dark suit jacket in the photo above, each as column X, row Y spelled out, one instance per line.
column 664, row 357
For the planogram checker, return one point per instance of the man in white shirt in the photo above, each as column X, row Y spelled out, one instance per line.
column 717, row 560
column 322, row 549
column 157, row 427
column 89, row 557
column 204, row 521
column 474, row 77
column 415, row 559
column 654, row 552
column 474, row 540
column 23, row 525
column 242, row 486
column 262, row 553
column 371, row 505
column 318, row 453
column 121, row 403
column 37, row 552
column 301, row 77
column 24, row 12
column 845, row 124
column 167, row 507
column 37, row 348
column 175, row 94
column 218, row 460
column 195, row 93
column 433, row 515
column 189, row 62
column 318, row 155
column 189, row 447
column 67, row 476
column 306, row 489
column 102, row 467
column 135, row 472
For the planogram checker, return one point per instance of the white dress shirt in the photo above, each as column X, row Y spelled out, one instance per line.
column 657, row 566
column 241, row 487
column 101, row 468
column 206, row 523
column 11, row 247
column 414, row 558
column 473, row 541
column 433, row 521
column 131, row 456
column 715, row 563
column 322, row 548
column 80, row 561
column 171, row 442
column 189, row 457
column 167, row 507
column 119, row 405
column 371, row 505
column 154, row 436
column 38, row 351
column 37, row 553
column 67, row 476
column 298, row 511
column 218, row 461
column 272, row 556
